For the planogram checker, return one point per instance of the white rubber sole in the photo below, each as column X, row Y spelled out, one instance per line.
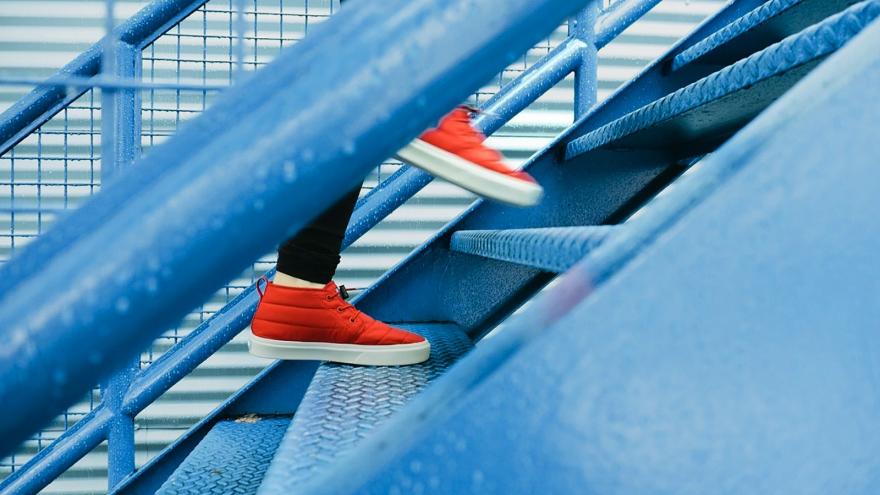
column 474, row 178
column 368, row 355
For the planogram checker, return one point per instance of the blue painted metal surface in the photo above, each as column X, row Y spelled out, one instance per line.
column 120, row 110
column 276, row 391
column 220, row 328
column 37, row 107
column 120, row 146
column 50, row 462
column 131, row 289
column 655, row 81
column 681, row 111
column 619, row 16
column 553, row 249
column 232, row 458
column 344, row 404
column 120, row 433
column 780, row 384
column 765, row 25
column 586, row 85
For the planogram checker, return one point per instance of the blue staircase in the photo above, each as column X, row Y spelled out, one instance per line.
column 705, row 220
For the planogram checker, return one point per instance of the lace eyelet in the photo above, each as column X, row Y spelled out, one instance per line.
column 340, row 309
column 351, row 320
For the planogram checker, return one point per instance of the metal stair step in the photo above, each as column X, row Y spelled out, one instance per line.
column 760, row 28
column 718, row 105
column 345, row 403
column 553, row 249
column 232, row 458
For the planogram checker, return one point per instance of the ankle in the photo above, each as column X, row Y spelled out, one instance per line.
column 286, row 280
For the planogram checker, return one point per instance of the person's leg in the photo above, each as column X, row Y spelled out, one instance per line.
column 302, row 315
column 310, row 258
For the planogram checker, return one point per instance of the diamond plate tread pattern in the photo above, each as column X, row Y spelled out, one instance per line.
column 810, row 44
column 553, row 249
column 733, row 30
column 232, row 458
column 345, row 402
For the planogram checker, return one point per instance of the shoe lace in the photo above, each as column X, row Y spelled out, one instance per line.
column 344, row 306
column 262, row 283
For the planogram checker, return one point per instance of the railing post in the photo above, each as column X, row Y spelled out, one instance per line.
column 120, row 436
column 120, row 145
column 120, row 110
column 583, row 27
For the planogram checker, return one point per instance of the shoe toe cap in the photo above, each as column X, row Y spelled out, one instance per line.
column 406, row 337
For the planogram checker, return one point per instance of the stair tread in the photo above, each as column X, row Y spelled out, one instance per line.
column 774, row 19
column 232, row 457
column 722, row 102
column 345, row 403
column 553, row 249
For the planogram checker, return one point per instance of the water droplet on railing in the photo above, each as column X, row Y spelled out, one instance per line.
column 122, row 305
column 349, row 148
column 59, row 377
column 288, row 170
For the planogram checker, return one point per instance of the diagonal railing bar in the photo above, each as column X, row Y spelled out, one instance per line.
column 619, row 16
column 103, row 82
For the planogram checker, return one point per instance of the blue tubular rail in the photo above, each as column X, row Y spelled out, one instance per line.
column 151, row 382
column 195, row 224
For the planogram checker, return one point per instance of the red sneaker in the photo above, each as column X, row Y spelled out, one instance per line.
column 318, row 324
column 454, row 151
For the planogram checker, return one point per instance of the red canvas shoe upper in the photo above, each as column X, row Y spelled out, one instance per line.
column 456, row 135
column 320, row 315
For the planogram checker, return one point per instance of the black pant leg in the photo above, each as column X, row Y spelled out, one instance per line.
column 313, row 253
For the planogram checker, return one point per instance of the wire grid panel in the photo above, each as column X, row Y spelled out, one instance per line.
column 54, row 169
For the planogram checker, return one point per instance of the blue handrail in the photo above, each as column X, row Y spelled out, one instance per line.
column 153, row 381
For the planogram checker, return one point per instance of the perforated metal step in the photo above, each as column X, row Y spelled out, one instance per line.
column 345, row 403
column 760, row 28
column 232, row 458
column 714, row 107
column 553, row 249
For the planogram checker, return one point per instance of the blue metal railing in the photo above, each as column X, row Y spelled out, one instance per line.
column 122, row 403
